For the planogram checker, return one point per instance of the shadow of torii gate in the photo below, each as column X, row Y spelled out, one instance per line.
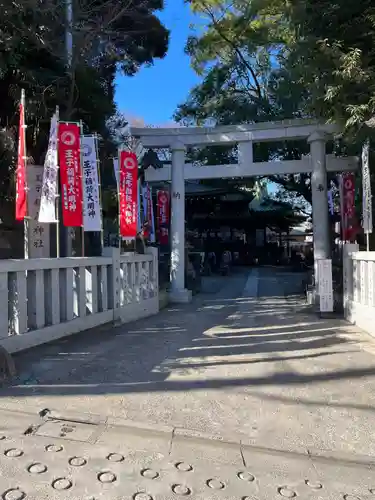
column 177, row 139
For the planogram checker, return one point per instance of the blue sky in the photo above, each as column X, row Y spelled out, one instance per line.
column 154, row 93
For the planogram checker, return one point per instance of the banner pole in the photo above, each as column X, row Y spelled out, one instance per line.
column 82, row 187
column 57, row 199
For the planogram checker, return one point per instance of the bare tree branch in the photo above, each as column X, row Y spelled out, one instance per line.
column 234, row 47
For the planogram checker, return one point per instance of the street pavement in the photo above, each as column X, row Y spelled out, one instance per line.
column 242, row 394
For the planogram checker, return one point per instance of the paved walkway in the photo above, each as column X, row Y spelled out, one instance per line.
column 255, row 396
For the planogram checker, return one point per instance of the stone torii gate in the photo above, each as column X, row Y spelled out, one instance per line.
column 177, row 139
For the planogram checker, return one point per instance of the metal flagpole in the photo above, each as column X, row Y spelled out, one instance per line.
column 82, row 187
column 118, row 198
column 65, row 232
column 57, row 199
column 68, row 33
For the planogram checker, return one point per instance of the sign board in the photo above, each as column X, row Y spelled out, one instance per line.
column 325, row 285
column 38, row 232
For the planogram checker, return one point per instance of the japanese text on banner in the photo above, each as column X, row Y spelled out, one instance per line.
column 47, row 212
column 38, row 233
column 163, row 216
column 92, row 220
column 349, row 222
column 128, row 194
column 325, row 285
column 367, row 222
column 70, row 174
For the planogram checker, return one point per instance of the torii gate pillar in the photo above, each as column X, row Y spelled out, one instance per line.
column 319, row 192
column 179, row 294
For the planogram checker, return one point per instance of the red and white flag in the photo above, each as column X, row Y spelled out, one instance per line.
column 70, row 174
column 128, row 194
column 21, row 187
column 47, row 211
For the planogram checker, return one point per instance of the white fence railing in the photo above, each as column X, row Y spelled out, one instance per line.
column 44, row 299
column 359, row 287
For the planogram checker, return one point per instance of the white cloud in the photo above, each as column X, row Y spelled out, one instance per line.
column 139, row 121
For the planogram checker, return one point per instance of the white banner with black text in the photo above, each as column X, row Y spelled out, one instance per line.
column 92, row 216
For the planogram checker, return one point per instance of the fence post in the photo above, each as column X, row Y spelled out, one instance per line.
column 154, row 251
column 347, row 268
column 4, row 298
column 113, row 280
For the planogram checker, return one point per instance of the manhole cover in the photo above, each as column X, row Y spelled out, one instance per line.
column 63, row 429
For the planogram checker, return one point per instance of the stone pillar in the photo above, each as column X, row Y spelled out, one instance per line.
column 348, row 281
column 178, row 291
column 319, row 193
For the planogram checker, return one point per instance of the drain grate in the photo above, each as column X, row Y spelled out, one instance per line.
column 66, row 429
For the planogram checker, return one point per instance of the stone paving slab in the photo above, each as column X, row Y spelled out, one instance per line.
column 221, row 384
column 125, row 463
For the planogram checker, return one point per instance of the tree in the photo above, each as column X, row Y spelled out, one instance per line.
column 107, row 36
column 334, row 57
column 241, row 56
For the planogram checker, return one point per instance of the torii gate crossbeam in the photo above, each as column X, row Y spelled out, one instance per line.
column 177, row 139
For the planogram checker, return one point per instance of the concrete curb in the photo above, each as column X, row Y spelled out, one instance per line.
column 191, row 437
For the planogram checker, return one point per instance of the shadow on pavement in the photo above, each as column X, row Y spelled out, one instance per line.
column 153, row 355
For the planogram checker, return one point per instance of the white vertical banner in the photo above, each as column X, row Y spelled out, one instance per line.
column 148, row 210
column 367, row 222
column 325, row 285
column 47, row 212
column 38, row 232
column 92, row 216
column 116, row 170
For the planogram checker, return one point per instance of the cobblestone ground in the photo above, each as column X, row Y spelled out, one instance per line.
column 242, row 394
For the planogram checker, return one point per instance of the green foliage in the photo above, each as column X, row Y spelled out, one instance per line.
column 265, row 60
column 241, row 57
column 107, row 36
column 334, row 56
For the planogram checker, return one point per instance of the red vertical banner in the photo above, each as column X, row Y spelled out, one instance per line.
column 348, row 218
column 128, row 194
column 163, row 216
column 70, row 174
column 21, row 196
